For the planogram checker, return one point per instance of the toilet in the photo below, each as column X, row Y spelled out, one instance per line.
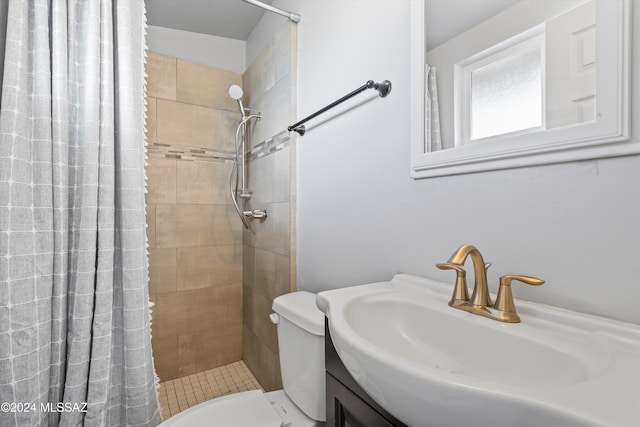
column 302, row 401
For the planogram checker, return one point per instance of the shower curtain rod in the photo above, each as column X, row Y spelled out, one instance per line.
column 383, row 89
column 294, row 17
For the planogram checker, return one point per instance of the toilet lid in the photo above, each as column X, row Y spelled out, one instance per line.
column 246, row 409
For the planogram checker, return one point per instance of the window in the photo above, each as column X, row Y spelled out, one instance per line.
column 498, row 108
column 501, row 89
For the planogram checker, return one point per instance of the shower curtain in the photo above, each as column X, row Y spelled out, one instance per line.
column 432, row 113
column 75, row 342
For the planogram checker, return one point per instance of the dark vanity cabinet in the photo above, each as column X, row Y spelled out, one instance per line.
column 348, row 405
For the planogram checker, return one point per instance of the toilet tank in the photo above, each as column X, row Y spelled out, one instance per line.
column 301, row 344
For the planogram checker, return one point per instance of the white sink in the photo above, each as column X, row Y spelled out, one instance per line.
column 431, row 365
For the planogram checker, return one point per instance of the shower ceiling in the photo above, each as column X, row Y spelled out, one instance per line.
column 233, row 19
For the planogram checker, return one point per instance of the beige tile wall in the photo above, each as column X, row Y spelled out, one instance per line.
column 268, row 258
column 194, row 236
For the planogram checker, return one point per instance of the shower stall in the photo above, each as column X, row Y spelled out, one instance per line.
column 218, row 147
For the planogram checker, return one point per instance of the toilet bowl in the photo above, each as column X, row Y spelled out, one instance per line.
column 301, row 403
column 246, row 409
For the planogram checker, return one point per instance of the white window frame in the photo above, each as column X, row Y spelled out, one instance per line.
column 521, row 43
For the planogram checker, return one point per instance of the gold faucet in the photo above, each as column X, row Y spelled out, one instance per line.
column 504, row 309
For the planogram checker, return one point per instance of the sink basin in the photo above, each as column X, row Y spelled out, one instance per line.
column 431, row 365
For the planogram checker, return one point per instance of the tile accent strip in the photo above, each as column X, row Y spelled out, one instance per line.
column 199, row 154
column 270, row 145
column 193, row 154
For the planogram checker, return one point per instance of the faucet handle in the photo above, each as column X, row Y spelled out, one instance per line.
column 529, row 280
column 504, row 300
column 451, row 266
column 460, row 291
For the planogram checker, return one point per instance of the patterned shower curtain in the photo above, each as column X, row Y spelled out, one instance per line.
column 75, row 341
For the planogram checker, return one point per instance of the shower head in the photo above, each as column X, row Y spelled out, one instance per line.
column 235, row 92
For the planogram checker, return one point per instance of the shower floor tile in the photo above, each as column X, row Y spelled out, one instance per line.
column 182, row 393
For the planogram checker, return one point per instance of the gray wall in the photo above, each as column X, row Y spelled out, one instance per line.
column 362, row 219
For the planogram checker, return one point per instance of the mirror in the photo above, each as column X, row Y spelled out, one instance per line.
column 542, row 81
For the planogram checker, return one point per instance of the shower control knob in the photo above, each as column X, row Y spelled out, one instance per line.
column 255, row 214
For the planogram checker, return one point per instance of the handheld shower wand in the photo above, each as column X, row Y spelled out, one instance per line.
column 239, row 165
